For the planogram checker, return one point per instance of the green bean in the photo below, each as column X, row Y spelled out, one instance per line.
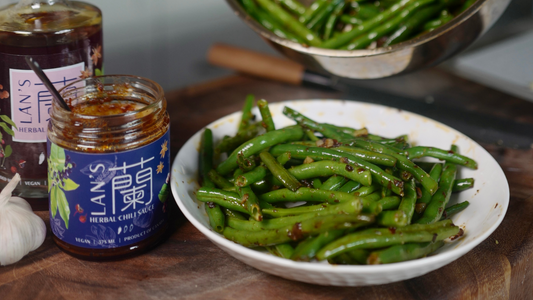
column 350, row 187
column 284, row 158
column 308, row 123
column 378, row 175
column 343, row 259
column 444, row 18
column 454, row 209
column 435, row 207
column 347, row 19
column 406, row 30
column 403, row 163
column 216, row 216
column 306, row 250
column 273, row 25
column 232, row 214
column 332, row 20
column 450, row 156
column 260, row 143
column 219, row 181
column 373, row 157
column 426, row 195
column 252, row 176
column 316, row 183
column 223, row 198
column 390, row 202
column 372, row 197
column 206, row 157
column 261, row 186
column 245, row 164
column 373, row 241
column 312, row 10
column 290, row 22
column 334, row 183
column 358, row 255
column 405, row 252
column 246, row 112
column 284, row 250
column 321, row 17
column 344, row 38
column 366, row 39
column 296, row 231
column 326, row 168
column 403, row 215
column 367, row 11
column 294, row 6
column 268, row 123
column 353, row 207
column 351, row 131
column 311, row 135
column 229, row 144
column 214, row 213
column 306, row 194
column 279, row 172
column 251, row 202
column 462, row 184
column 283, row 212
column 366, row 190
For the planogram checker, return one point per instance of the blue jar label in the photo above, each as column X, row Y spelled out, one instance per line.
column 108, row 200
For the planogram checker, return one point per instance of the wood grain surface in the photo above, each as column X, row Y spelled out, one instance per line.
column 188, row 266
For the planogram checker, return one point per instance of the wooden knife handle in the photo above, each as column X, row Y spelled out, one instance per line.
column 256, row 64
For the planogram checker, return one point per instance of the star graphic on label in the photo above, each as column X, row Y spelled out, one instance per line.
column 164, row 149
column 160, row 167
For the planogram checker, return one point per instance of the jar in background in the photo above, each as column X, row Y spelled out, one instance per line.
column 109, row 167
column 65, row 38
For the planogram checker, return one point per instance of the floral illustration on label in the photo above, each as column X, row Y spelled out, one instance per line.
column 3, row 94
column 5, row 151
column 59, row 170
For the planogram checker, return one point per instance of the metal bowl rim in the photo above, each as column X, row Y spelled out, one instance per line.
column 317, row 51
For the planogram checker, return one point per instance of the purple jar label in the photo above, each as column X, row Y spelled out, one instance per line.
column 31, row 100
column 108, row 200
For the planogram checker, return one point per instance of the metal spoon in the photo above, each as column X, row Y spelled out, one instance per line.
column 46, row 81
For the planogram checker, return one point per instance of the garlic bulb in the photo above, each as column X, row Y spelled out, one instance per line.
column 21, row 231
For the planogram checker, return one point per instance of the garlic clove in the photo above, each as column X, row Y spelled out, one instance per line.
column 21, row 231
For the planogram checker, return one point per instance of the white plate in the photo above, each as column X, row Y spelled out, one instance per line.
column 488, row 199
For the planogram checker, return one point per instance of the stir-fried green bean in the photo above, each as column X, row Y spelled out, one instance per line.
column 309, row 200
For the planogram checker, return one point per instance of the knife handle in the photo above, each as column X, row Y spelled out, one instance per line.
column 256, row 64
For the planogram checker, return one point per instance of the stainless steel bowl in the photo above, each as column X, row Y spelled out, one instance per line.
column 420, row 52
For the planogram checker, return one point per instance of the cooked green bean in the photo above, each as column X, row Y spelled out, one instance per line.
column 454, row 209
column 334, row 183
column 447, row 155
column 306, row 250
column 223, row 198
column 321, row 17
column 405, row 252
column 332, row 20
column 462, row 184
column 390, row 202
column 378, row 174
column 406, row 30
column 435, row 207
column 260, row 143
column 279, row 172
column 291, row 232
column 350, row 187
column 326, row 168
column 268, row 123
column 219, row 181
column 373, row 241
column 353, row 207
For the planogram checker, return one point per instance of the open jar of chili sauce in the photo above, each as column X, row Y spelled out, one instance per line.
column 109, row 167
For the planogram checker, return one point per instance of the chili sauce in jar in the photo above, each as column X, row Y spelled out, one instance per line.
column 109, row 167
column 65, row 38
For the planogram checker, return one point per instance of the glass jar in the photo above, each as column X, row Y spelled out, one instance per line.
column 65, row 38
column 109, row 167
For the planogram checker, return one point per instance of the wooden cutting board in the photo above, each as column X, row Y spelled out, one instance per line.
column 187, row 265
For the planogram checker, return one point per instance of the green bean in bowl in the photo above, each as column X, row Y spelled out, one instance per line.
column 323, row 192
column 353, row 24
